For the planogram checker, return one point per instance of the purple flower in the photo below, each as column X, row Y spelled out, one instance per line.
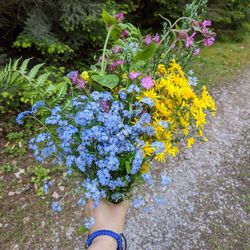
column 208, row 41
column 157, row 38
column 119, row 16
column 147, row 82
column 196, row 52
column 148, row 39
column 190, row 40
column 124, row 33
column 81, row 83
column 73, row 76
column 105, row 105
column 134, row 75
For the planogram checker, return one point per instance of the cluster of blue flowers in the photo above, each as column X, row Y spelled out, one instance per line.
column 96, row 138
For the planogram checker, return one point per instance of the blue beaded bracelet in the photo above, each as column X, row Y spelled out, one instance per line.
column 117, row 237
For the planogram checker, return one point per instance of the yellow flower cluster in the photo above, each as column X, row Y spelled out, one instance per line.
column 179, row 107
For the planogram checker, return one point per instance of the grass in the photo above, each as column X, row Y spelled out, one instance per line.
column 222, row 61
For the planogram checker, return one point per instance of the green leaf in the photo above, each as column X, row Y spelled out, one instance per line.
column 146, row 54
column 24, row 66
column 127, row 165
column 116, row 32
column 82, row 230
column 109, row 81
column 108, row 19
column 34, row 70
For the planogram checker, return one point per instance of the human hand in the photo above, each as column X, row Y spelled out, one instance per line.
column 107, row 216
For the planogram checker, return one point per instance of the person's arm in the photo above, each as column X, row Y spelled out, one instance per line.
column 108, row 216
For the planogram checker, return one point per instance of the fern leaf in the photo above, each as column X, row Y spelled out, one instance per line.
column 34, row 70
column 62, row 89
column 24, row 66
column 41, row 79
column 15, row 64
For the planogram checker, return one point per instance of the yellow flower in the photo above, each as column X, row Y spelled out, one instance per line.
column 200, row 118
column 145, row 168
column 161, row 69
column 151, row 94
column 160, row 157
column 190, row 142
column 85, row 76
column 148, row 150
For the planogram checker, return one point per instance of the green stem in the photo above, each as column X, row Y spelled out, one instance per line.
column 105, row 48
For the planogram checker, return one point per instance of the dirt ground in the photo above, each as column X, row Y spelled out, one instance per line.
column 205, row 207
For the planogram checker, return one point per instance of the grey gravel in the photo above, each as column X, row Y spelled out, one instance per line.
column 203, row 191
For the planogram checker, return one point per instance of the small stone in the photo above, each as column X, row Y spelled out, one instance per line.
column 21, row 171
column 61, row 188
column 11, row 193
column 55, row 195
column 26, row 220
column 42, row 224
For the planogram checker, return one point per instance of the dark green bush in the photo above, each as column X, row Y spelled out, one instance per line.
column 229, row 18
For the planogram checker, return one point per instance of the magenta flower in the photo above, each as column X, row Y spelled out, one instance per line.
column 157, row 38
column 190, row 40
column 147, row 82
column 115, row 64
column 148, row 39
column 206, row 23
column 208, row 41
column 124, row 33
column 134, row 75
column 196, row 52
column 119, row 16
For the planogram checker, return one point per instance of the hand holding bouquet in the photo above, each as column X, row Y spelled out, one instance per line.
column 135, row 105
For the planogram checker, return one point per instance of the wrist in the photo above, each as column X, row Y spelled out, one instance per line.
column 105, row 242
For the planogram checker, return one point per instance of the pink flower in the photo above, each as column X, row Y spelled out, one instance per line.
column 124, row 33
column 195, row 23
column 148, row 39
column 134, row 75
column 157, row 38
column 208, row 41
column 119, row 16
column 147, row 82
column 190, row 40
column 116, row 49
column 206, row 23
column 196, row 52
column 183, row 35
column 115, row 64
column 81, row 83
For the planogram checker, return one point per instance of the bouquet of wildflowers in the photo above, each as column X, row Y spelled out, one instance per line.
column 135, row 105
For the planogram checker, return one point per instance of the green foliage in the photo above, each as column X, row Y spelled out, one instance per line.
column 17, row 144
column 229, row 17
column 41, row 175
column 8, row 168
column 20, row 85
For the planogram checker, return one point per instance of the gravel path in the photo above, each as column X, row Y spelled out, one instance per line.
column 203, row 204
column 203, row 208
